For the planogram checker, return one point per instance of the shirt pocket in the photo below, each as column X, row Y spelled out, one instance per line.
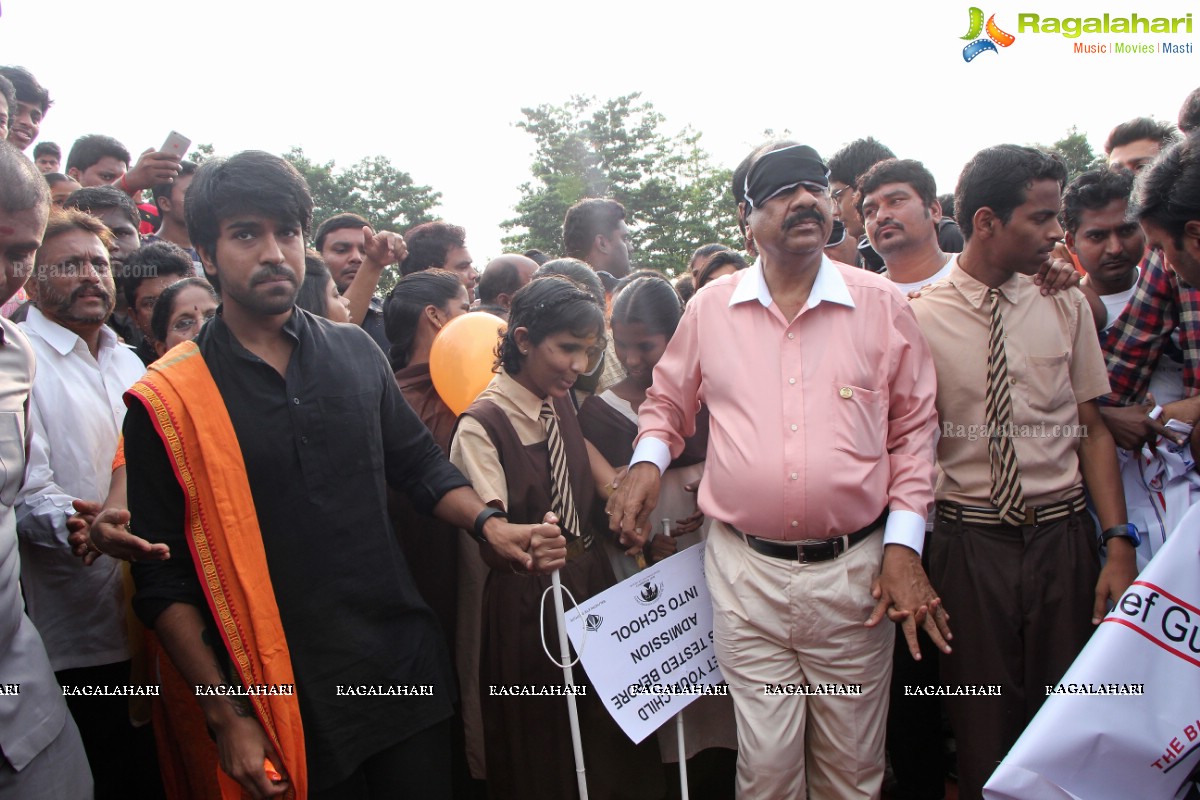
column 859, row 426
column 350, row 427
column 1047, row 383
column 12, row 455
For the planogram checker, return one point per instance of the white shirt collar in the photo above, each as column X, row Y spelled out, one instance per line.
column 829, row 286
column 62, row 340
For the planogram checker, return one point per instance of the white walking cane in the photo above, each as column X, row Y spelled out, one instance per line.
column 566, row 663
column 683, row 784
column 683, row 779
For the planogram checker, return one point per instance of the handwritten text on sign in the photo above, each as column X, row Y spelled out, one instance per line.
column 649, row 642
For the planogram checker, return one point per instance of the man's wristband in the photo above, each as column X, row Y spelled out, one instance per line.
column 1127, row 531
column 487, row 513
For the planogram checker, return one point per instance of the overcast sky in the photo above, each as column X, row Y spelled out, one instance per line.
column 437, row 87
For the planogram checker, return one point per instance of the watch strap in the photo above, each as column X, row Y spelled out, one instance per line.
column 487, row 513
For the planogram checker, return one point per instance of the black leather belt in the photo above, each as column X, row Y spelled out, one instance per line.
column 976, row 515
column 811, row 550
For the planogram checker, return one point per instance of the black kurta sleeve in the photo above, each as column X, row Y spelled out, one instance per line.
column 157, row 514
column 414, row 463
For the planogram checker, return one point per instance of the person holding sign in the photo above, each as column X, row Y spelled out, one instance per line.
column 645, row 314
column 520, row 446
column 818, row 479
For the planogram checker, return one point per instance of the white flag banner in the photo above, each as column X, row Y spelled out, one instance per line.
column 1095, row 738
column 649, row 642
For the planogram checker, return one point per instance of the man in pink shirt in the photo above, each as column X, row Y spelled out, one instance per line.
column 819, row 478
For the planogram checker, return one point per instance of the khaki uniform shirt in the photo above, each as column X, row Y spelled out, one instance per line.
column 1054, row 363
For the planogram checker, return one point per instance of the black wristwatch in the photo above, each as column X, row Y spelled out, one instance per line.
column 487, row 513
column 1127, row 531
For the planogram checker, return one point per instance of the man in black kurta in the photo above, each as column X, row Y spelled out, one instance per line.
column 322, row 430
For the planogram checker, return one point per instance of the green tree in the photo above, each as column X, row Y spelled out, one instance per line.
column 1076, row 152
column 200, row 153
column 674, row 197
column 373, row 188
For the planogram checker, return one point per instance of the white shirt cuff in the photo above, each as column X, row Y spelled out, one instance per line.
column 656, row 451
column 906, row 528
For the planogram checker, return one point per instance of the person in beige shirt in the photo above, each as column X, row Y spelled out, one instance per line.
column 1014, row 550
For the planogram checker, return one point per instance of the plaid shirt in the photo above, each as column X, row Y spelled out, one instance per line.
column 1134, row 343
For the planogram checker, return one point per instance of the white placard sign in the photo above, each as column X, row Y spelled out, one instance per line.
column 649, row 634
column 1124, row 722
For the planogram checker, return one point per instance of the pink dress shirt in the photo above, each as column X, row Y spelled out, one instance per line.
column 818, row 424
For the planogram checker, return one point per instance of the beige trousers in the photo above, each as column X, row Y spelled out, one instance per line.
column 784, row 623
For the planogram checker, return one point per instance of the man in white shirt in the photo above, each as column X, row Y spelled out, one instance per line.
column 1108, row 246
column 900, row 211
column 41, row 754
column 75, row 416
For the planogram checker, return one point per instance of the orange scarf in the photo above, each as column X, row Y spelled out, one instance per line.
column 226, row 544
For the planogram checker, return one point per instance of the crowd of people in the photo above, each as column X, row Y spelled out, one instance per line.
column 248, row 549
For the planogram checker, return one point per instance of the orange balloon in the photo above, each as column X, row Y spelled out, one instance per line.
column 462, row 357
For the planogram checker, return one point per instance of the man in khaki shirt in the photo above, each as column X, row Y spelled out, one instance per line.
column 1022, row 594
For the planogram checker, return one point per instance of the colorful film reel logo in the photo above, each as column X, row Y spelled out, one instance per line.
column 995, row 36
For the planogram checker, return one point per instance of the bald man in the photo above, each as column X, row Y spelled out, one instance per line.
column 501, row 279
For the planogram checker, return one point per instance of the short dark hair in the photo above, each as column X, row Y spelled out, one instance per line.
column 46, row 149
column 1141, row 128
column 686, row 288
column 576, row 271
column 537, row 256
column 405, row 303
column 947, row 202
column 501, row 277
column 706, row 251
column 998, row 177
column 715, row 262
column 160, row 318
column 1189, row 112
column 250, row 182
column 154, row 260
column 22, row 187
column 337, row 222
column 852, row 161
column 10, row 97
column 652, row 301
column 55, row 178
column 428, row 245
column 312, row 293
column 70, row 219
column 1168, row 193
column 587, row 219
column 898, row 170
column 89, row 149
column 162, row 190
column 27, row 88
column 545, row 306
column 1093, row 190
column 94, row 199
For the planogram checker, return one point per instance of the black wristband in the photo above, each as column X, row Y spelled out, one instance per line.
column 487, row 513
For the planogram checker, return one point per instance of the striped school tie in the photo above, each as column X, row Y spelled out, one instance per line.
column 562, row 500
column 1006, row 480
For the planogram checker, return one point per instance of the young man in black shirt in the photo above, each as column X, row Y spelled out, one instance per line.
column 302, row 569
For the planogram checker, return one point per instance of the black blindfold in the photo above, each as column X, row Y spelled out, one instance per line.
column 781, row 170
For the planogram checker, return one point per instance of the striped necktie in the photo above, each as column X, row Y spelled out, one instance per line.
column 1006, row 480
column 562, row 499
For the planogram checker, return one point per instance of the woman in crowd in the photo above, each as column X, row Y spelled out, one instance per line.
column 506, row 443
column 318, row 294
column 724, row 262
column 180, row 311
column 645, row 313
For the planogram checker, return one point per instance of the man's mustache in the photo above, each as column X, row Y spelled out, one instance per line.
column 806, row 215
